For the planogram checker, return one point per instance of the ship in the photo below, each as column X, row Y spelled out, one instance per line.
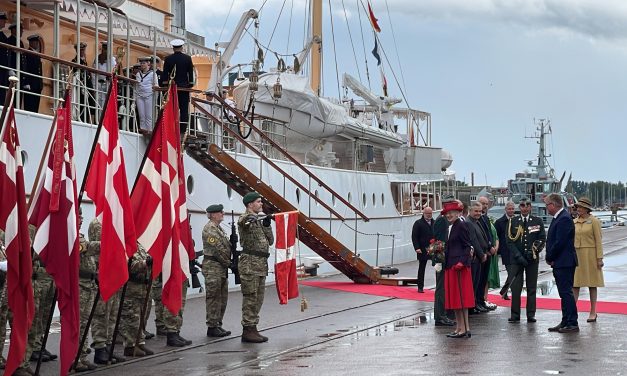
column 537, row 183
column 359, row 170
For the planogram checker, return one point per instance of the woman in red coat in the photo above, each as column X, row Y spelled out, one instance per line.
column 457, row 276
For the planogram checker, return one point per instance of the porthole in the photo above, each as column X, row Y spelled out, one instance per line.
column 298, row 195
column 374, row 200
column 229, row 192
column 333, row 200
column 350, row 197
column 317, row 196
column 190, row 184
column 363, row 199
column 382, row 199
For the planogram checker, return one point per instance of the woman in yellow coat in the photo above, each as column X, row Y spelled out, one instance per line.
column 589, row 271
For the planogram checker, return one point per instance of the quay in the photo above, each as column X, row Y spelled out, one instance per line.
column 347, row 333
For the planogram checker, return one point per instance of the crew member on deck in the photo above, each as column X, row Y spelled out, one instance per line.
column 32, row 81
column 4, row 58
column 181, row 65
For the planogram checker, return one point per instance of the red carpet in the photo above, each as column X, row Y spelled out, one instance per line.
column 410, row 293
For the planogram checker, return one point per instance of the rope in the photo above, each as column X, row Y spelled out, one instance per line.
column 363, row 44
column 350, row 35
column 366, row 233
column 337, row 74
column 395, row 44
column 275, row 26
column 289, row 29
column 226, row 19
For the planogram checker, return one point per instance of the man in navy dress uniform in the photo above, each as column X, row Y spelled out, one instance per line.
column 183, row 68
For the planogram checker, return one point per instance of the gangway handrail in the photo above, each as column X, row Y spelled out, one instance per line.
column 282, row 151
column 268, row 160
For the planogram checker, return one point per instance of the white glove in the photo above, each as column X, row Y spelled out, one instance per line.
column 26, row 87
column 3, row 265
column 438, row 267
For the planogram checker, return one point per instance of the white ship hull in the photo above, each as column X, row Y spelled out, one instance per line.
column 369, row 192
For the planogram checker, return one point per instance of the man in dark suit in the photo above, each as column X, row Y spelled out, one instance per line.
column 525, row 239
column 561, row 255
column 501, row 226
column 481, row 246
column 421, row 235
column 32, row 81
column 181, row 65
column 487, row 227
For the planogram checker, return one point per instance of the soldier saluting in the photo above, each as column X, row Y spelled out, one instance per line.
column 216, row 260
column 525, row 239
column 256, row 238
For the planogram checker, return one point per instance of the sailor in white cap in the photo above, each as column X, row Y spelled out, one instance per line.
column 32, row 82
column 146, row 79
column 183, row 69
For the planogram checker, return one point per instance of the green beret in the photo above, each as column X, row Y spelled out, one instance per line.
column 250, row 197
column 215, row 208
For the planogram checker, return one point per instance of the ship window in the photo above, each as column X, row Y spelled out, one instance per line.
column 382, row 199
column 298, row 195
column 350, row 197
column 316, row 194
column 374, row 200
column 190, row 184
column 363, row 199
column 333, row 200
column 229, row 192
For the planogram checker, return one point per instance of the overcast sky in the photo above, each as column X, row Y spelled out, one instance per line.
column 484, row 69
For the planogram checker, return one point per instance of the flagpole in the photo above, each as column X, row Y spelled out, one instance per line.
column 95, row 143
column 7, row 100
column 44, row 155
column 87, row 325
column 152, row 139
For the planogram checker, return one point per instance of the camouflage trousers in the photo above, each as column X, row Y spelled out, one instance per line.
column 155, row 295
column 173, row 323
column 104, row 321
column 43, row 292
column 131, row 314
column 216, row 297
column 253, row 290
column 87, row 294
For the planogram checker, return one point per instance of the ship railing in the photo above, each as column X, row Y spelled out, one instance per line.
column 205, row 106
column 85, row 107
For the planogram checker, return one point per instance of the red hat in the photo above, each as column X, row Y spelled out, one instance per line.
column 453, row 205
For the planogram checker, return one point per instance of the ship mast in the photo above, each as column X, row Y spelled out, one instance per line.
column 316, row 58
column 543, row 168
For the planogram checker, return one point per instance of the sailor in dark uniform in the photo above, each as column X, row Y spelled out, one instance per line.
column 12, row 40
column 183, row 68
column 32, row 81
column 85, row 97
column 525, row 239
column 4, row 58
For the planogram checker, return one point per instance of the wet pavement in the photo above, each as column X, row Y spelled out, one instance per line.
column 343, row 333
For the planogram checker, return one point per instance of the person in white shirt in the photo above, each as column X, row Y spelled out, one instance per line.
column 146, row 79
column 102, row 82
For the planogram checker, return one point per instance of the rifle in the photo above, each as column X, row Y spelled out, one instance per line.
column 195, row 268
column 234, row 252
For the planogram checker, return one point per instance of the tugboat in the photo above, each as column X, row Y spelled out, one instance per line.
column 538, row 183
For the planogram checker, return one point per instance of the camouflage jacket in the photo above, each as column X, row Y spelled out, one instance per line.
column 257, row 238
column 138, row 269
column 87, row 269
column 94, row 233
column 215, row 245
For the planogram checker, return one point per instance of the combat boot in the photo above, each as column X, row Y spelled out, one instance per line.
column 265, row 339
column 249, row 334
column 175, row 340
column 101, row 356
column 90, row 366
column 145, row 349
column 226, row 332
column 80, row 367
column 187, row 341
column 215, row 332
column 115, row 357
column 23, row 371
column 148, row 335
column 34, row 356
column 133, row 351
column 50, row 355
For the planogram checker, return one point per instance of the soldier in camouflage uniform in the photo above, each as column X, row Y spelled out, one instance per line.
column 88, row 286
column 155, row 295
column 215, row 263
column 136, row 289
column 43, row 292
column 105, row 314
column 255, row 238
column 173, row 323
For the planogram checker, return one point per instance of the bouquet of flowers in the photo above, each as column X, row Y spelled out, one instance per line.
column 436, row 250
